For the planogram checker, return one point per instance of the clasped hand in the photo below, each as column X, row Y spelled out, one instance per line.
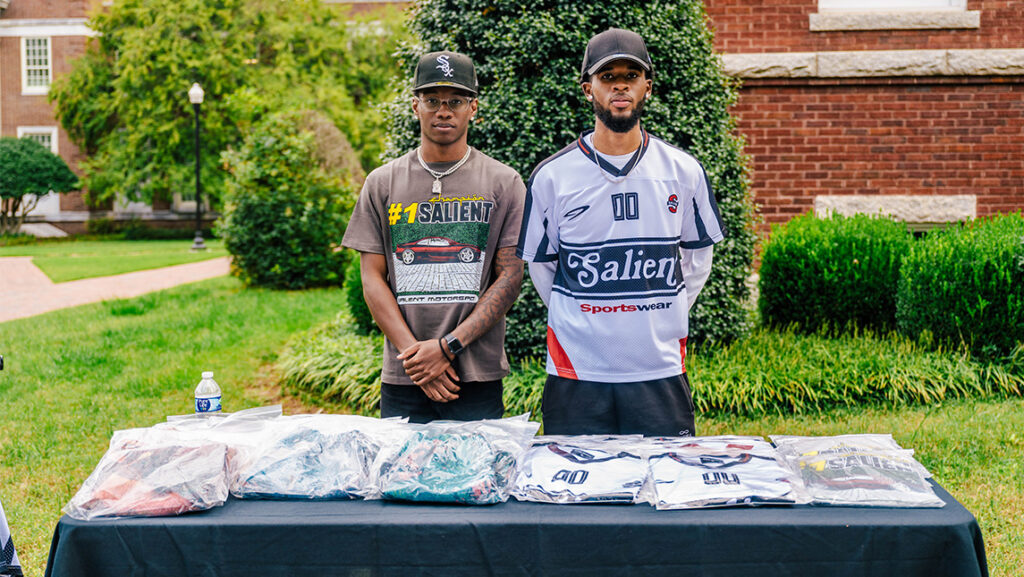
column 429, row 367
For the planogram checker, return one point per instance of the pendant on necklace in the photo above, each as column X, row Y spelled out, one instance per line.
column 437, row 187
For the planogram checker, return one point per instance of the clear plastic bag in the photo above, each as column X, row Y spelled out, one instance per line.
column 312, row 457
column 864, row 470
column 152, row 472
column 470, row 462
column 581, row 469
column 704, row 472
column 242, row 431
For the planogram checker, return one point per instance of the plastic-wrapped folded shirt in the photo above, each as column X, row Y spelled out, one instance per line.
column 579, row 471
column 150, row 472
column 455, row 462
column 310, row 464
column 718, row 473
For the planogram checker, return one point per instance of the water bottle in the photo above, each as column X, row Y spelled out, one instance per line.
column 207, row 395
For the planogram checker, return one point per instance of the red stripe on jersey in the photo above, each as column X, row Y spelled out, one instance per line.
column 558, row 357
column 583, row 146
column 682, row 352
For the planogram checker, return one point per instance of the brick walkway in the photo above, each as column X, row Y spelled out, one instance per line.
column 25, row 291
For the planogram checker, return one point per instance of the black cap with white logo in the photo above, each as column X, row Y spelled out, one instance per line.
column 615, row 44
column 440, row 69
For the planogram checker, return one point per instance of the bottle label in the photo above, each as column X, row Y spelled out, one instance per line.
column 208, row 405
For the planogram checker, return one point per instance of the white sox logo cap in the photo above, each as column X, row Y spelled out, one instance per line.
column 445, row 69
column 615, row 44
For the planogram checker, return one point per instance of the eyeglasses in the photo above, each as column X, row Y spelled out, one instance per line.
column 454, row 104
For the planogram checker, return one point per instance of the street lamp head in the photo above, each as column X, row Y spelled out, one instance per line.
column 195, row 94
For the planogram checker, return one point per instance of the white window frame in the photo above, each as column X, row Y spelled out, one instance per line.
column 891, row 5
column 25, row 88
column 50, row 131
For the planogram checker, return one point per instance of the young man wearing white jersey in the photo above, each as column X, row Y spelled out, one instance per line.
column 618, row 230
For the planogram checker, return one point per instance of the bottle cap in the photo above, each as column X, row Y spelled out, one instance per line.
column 207, row 374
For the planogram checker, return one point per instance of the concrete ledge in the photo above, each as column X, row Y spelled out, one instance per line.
column 875, row 63
column 45, row 27
column 896, row 20
column 912, row 209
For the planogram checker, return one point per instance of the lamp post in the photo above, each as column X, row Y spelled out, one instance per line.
column 195, row 96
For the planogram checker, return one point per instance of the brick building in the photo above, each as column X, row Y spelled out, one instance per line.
column 912, row 107
column 38, row 38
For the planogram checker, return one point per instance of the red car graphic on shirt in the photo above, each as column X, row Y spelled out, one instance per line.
column 436, row 249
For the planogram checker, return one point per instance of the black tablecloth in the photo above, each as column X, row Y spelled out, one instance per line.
column 378, row 538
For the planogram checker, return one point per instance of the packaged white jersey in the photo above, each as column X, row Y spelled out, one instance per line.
column 557, row 472
column 618, row 297
column 689, row 479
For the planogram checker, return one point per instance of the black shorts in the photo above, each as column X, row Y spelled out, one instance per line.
column 657, row 408
column 477, row 400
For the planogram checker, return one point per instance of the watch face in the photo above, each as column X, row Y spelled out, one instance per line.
column 453, row 344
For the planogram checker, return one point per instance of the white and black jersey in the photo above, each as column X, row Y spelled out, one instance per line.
column 689, row 481
column 617, row 311
column 567, row 473
column 9, row 564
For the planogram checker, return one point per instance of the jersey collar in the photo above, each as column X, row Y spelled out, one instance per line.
column 608, row 167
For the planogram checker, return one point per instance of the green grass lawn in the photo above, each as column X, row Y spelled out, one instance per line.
column 73, row 260
column 130, row 363
column 73, row 377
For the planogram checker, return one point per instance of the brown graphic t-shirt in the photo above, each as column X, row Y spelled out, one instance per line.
column 441, row 249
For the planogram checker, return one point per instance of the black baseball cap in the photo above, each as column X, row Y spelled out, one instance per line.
column 615, row 44
column 445, row 69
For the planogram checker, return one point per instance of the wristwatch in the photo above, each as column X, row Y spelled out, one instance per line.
column 453, row 344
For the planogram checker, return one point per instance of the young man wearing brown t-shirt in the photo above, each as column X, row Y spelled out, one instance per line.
column 436, row 230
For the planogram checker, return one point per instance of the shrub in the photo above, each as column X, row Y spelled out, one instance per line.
column 526, row 325
column 331, row 363
column 966, row 284
column 353, row 287
column 524, row 388
column 831, row 272
column 285, row 207
column 531, row 106
column 797, row 373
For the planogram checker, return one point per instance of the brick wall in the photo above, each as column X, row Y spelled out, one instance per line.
column 17, row 109
column 899, row 135
column 955, row 136
column 782, row 26
column 48, row 9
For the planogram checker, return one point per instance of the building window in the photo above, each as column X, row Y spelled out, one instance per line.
column 36, row 69
column 45, row 135
column 889, row 5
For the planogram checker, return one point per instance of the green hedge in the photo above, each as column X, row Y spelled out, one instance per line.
column 353, row 287
column 966, row 284
column 531, row 106
column 833, row 272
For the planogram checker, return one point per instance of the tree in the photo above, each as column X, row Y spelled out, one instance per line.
column 531, row 106
column 124, row 102
column 28, row 168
